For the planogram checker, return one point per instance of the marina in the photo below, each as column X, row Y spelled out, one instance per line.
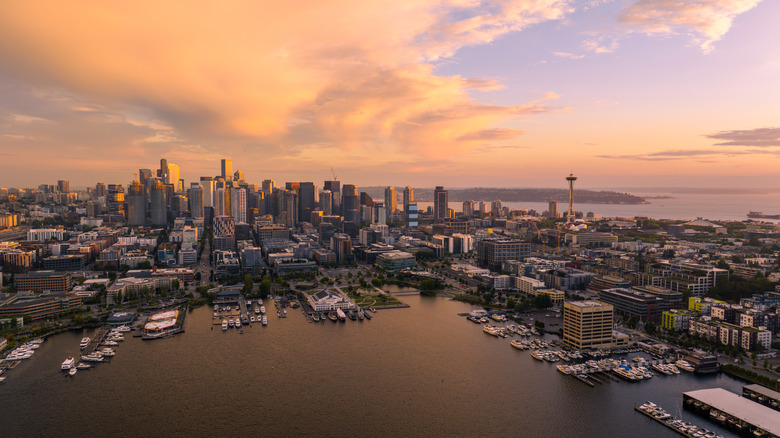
column 684, row 428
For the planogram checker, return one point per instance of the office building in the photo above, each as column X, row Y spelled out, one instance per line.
column 307, row 200
column 411, row 214
column 391, row 202
column 219, row 202
column 326, row 202
column 335, row 189
column 351, row 204
column 115, row 199
column 39, row 281
column 227, row 169
column 587, row 324
column 173, row 177
column 552, row 210
column 63, row 186
column 208, row 185
column 158, row 209
column 224, row 233
column 468, row 208
column 440, row 203
column 630, row 303
column 136, row 205
column 268, row 186
column 408, row 197
column 195, row 196
column 238, row 204
column 492, row 252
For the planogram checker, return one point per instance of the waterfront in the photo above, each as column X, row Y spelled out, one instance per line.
column 679, row 206
column 408, row 372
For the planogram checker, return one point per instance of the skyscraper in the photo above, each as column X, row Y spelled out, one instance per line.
column 173, row 176
column 100, row 191
column 227, row 169
column 307, row 194
column 136, row 204
column 391, row 202
column 159, row 215
column 468, row 208
column 440, row 203
column 207, row 184
column 552, row 210
column 219, row 202
column 195, row 197
column 238, row 204
column 63, row 185
column 408, row 196
column 116, row 199
column 238, row 175
column 350, row 204
column 326, row 202
column 162, row 173
column 268, row 186
column 495, row 208
column 335, row 189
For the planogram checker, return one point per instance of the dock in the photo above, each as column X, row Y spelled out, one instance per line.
column 679, row 426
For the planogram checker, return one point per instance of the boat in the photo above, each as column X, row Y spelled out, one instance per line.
column 315, row 317
column 68, row 363
column 489, row 329
column 224, row 325
column 517, row 344
column 108, row 352
column 262, row 310
column 759, row 215
column 351, row 314
column 238, row 322
column 110, row 343
column 341, row 315
column 260, row 301
column 83, row 366
column 294, row 305
column 241, row 332
column 332, row 316
column 265, row 320
column 257, row 310
column 361, row 314
column 84, row 342
column 122, row 329
column 72, row 372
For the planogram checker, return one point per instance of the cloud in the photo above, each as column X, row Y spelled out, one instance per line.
column 492, row 134
column 568, row 55
column 704, row 21
column 279, row 78
column 684, row 154
column 760, row 137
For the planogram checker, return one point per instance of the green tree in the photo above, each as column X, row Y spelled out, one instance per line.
column 265, row 287
column 650, row 328
column 248, row 285
column 510, row 303
column 542, row 301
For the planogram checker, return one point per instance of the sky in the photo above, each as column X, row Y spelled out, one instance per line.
column 461, row 93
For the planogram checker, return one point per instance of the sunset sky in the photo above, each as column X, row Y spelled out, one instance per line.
column 513, row 93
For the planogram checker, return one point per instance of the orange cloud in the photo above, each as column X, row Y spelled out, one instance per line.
column 274, row 75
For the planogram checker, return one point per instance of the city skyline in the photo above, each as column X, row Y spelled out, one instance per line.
column 514, row 94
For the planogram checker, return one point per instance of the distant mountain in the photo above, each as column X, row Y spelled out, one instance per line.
column 514, row 195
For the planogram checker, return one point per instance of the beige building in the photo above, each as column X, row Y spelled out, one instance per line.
column 587, row 324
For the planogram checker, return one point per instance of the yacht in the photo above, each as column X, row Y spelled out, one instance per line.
column 231, row 323
column 360, row 314
column 83, row 366
column 84, row 342
column 122, row 329
column 262, row 310
column 257, row 310
column 341, row 315
column 251, row 319
column 315, row 317
column 224, row 325
column 265, row 320
column 72, row 372
column 110, row 343
column 68, row 364
column 238, row 322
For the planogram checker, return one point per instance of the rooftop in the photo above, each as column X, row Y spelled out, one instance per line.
column 740, row 407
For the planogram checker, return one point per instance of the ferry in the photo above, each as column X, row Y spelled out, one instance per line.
column 68, row 364
column 224, row 325
column 341, row 315
column 84, row 342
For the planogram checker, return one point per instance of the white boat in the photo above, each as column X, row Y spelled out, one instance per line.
column 252, row 319
column 265, row 320
column 110, row 343
column 84, row 342
column 72, row 372
column 83, row 366
column 68, row 363
column 231, row 323
column 238, row 322
column 224, row 325
column 122, row 329
column 262, row 310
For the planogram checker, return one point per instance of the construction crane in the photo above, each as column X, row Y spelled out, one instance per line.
column 335, row 178
column 539, row 233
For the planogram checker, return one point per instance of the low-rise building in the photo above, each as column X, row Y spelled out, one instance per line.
column 40, row 281
column 39, row 306
column 395, row 260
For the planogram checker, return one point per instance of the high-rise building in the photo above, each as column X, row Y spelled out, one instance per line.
column 238, row 204
column 145, row 178
column 208, row 185
column 468, row 208
column 195, row 196
column 162, row 173
column 63, row 185
column 158, row 211
column 495, row 208
column 227, row 169
column 100, row 191
column 411, row 215
column 219, row 202
column 350, row 204
column 238, row 175
column 408, row 197
column 173, row 176
column 587, row 324
column 335, row 189
column 136, row 205
column 391, row 202
column 307, row 195
column 326, row 202
column 116, row 199
column 290, row 208
column 552, row 210
column 224, row 233
column 268, row 186
column 440, row 198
